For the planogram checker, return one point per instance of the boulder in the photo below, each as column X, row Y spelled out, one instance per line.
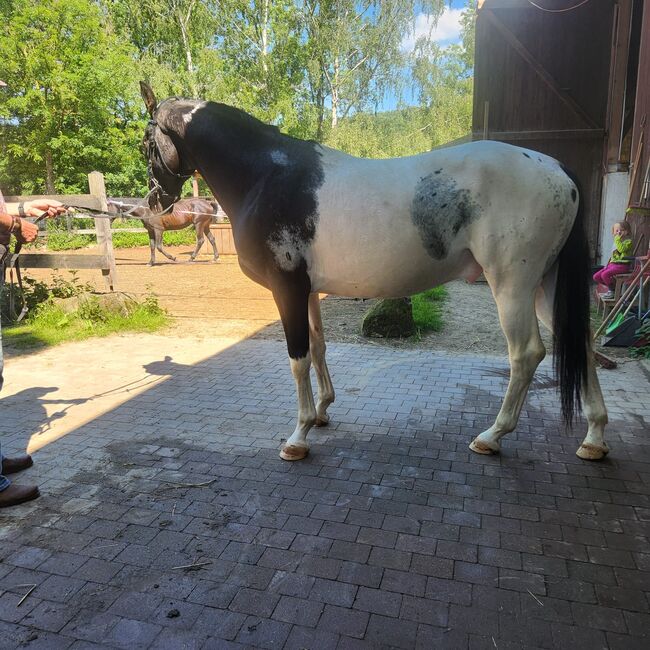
column 389, row 318
column 116, row 302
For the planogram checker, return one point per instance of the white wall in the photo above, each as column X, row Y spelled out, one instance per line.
column 614, row 204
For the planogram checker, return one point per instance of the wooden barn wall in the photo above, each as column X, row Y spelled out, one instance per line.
column 640, row 218
column 548, row 73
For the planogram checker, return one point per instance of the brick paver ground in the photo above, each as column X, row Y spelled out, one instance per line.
column 168, row 520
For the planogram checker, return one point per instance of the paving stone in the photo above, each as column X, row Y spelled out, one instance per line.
column 263, row 633
column 377, row 601
column 390, row 534
column 348, row 622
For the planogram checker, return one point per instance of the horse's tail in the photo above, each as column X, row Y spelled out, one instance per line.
column 215, row 207
column 571, row 343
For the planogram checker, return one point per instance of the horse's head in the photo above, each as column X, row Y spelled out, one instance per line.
column 165, row 167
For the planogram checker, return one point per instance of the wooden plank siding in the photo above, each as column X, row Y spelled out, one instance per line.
column 546, row 78
column 639, row 216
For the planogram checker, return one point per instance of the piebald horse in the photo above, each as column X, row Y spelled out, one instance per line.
column 309, row 219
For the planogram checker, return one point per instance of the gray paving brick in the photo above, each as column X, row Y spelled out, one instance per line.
column 391, row 533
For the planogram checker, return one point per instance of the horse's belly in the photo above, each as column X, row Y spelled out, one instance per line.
column 373, row 265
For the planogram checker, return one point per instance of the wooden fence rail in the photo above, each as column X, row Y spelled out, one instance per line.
column 105, row 261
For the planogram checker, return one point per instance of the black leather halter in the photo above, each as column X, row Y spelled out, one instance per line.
column 153, row 149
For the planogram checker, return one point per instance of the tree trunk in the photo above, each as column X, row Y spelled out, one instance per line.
column 183, row 23
column 265, row 37
column 49, row 173
column 335, row 93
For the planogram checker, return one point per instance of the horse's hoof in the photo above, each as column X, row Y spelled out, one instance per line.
column 293, row 452
column 592, row 452
column 479, row 447
column 322, row 420
column 215, row 260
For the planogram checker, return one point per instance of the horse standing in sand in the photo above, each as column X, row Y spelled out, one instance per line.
column 309, row 219
column 186, row 212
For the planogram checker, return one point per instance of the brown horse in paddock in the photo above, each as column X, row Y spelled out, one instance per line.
column 186, row 212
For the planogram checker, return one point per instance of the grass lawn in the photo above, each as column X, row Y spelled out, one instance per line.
column 427, row 309
column 51, row 325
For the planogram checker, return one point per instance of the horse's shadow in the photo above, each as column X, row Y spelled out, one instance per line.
column 165, row 367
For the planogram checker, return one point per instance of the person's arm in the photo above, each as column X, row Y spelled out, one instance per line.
column 623, row 246
column 36, row 208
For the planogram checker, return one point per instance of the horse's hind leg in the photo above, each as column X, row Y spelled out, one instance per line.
column 593, row 447
column 198, row 227
column 291, row 293
column 525, row 351
column 212, row 241
column 158, row 237
column 317, row 348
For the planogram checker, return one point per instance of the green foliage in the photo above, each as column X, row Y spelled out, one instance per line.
column 69, row 108
column 427, row 309
column 48, row 323
column 316, row 68
column 36, row 292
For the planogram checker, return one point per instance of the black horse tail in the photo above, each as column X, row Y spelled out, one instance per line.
column 215, row 207
column 571, row 343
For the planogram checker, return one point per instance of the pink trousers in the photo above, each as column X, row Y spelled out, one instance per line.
column 606, row 275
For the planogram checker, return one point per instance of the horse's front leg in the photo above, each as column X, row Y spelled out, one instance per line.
column 158, row 235
column 152, row 246
column 291, row 293
column 198, row 227
column 317, row 349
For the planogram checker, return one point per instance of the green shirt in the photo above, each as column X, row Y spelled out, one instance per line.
column 623, row 248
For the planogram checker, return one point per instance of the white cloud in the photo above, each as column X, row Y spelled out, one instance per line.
column 446, row 31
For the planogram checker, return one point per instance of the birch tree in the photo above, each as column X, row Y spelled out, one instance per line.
column 355, row 51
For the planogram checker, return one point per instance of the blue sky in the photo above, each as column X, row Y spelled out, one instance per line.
column 446, row 32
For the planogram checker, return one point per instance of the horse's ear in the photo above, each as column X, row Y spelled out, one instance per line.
column 150, row 100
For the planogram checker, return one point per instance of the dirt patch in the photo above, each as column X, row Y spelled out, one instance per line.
column 216, row 299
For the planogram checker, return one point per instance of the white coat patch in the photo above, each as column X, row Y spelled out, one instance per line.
column 187, row 117
column 279, row 157
column 287, row 248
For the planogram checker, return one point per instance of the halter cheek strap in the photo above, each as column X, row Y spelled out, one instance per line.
column 154, row 147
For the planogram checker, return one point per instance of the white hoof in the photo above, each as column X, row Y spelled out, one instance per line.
column 480, row 447
column 592, row 452
column 293, row 452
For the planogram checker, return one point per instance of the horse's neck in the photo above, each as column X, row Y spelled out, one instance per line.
column 230, row 160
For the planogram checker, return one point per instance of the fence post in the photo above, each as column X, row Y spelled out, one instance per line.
column 103, row 228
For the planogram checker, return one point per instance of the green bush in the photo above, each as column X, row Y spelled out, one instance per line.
column 49, row 323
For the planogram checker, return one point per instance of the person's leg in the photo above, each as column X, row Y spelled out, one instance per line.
column 4, row 481
column 11, row 495
column 610, row 271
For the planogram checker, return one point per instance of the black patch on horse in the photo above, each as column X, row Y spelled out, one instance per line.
column 525, row 154
column 439, row 210
column 268, row 181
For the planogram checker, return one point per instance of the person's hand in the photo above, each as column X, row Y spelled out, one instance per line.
column 37, row 207
column 28, row 231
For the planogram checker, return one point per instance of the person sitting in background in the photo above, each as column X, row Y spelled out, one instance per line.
column 618, row 262
column 12, row 223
